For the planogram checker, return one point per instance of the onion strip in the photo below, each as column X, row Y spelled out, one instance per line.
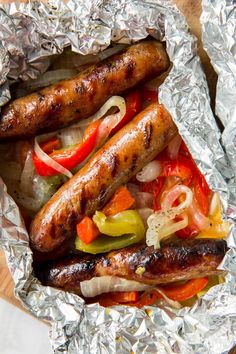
column 199, row 218
column 111, row 121
column 107, row 283
column 215, row 204
column 114, row 101
column 172, row 303
column 106, row 126
column 174, row 193
column 70, row 136
column 149, row 172
column 161, row 224
column 26, row 179
column 48, row 160
column 174, row 146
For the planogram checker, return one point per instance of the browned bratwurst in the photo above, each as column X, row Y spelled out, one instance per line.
column 174, row 261
column 81, row 96
column 114, row 164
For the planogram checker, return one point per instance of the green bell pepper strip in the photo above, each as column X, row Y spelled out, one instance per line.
column 122, row 230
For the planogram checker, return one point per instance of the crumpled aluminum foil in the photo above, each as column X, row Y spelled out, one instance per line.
column 30, row 33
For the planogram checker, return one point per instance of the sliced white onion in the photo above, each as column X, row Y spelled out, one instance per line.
column 27, row 176
column 114, row 101
column 173, row 147
column 48, row 160
column 215, row 203
column 172, row 303
column 107, row 283
column 161, row 225
column 172, row 226
column 30, row 203
column 149, row 172
column 70, row 136
column 111, row 121
column 174, row 193
column 198, row 217
column 145, row 213
column 144, row 200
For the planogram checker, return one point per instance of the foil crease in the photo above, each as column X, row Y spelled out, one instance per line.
column 29, row 35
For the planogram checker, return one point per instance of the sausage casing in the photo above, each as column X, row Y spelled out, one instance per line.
column 174, row 261
column 81, row 96
column 113, row 165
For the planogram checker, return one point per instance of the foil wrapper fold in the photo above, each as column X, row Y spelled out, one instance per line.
column 30, row 34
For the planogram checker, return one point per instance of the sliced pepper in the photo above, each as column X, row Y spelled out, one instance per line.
column 50, row 145
column 124, row 229
column 133, row 106
column 181, row 167
column 181, row 292
column 125, row 222
column 189, row 231
column 87, row 230
column 148, row 96
column 105, row 244
column 121, row 200
column 69, row 158
column 185, row 291
column 124, row 296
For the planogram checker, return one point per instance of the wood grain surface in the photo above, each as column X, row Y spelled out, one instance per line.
column 6, row 283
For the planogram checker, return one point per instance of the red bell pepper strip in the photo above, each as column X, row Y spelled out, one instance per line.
column 203, row 189
column 181, row 167
column 124, row 296
column 116, row 298
column 69, row 158
column 185, row 291
column 189, row 231
column 199, row 185
column 202, row 195
column 50, row 145
column 148, row 96
column 174, row 292
column 87, row 230
column 133, row 107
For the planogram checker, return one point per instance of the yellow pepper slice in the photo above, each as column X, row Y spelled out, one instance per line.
column 125, row 222
column 219, row 228
column 120, row 230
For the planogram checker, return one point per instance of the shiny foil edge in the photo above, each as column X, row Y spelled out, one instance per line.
column 209, row 326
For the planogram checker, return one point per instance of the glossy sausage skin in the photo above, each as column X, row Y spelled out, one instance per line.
column 78, row 98
column 113, row 165
column 174, row 261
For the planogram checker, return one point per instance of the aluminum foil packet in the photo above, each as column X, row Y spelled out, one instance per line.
column 32, row 32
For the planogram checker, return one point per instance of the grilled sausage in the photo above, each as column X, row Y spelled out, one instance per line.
column 174, row 261
column 114, row 164
column 78, row 98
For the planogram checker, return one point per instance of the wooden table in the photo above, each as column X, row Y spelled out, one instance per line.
column 6, row 283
